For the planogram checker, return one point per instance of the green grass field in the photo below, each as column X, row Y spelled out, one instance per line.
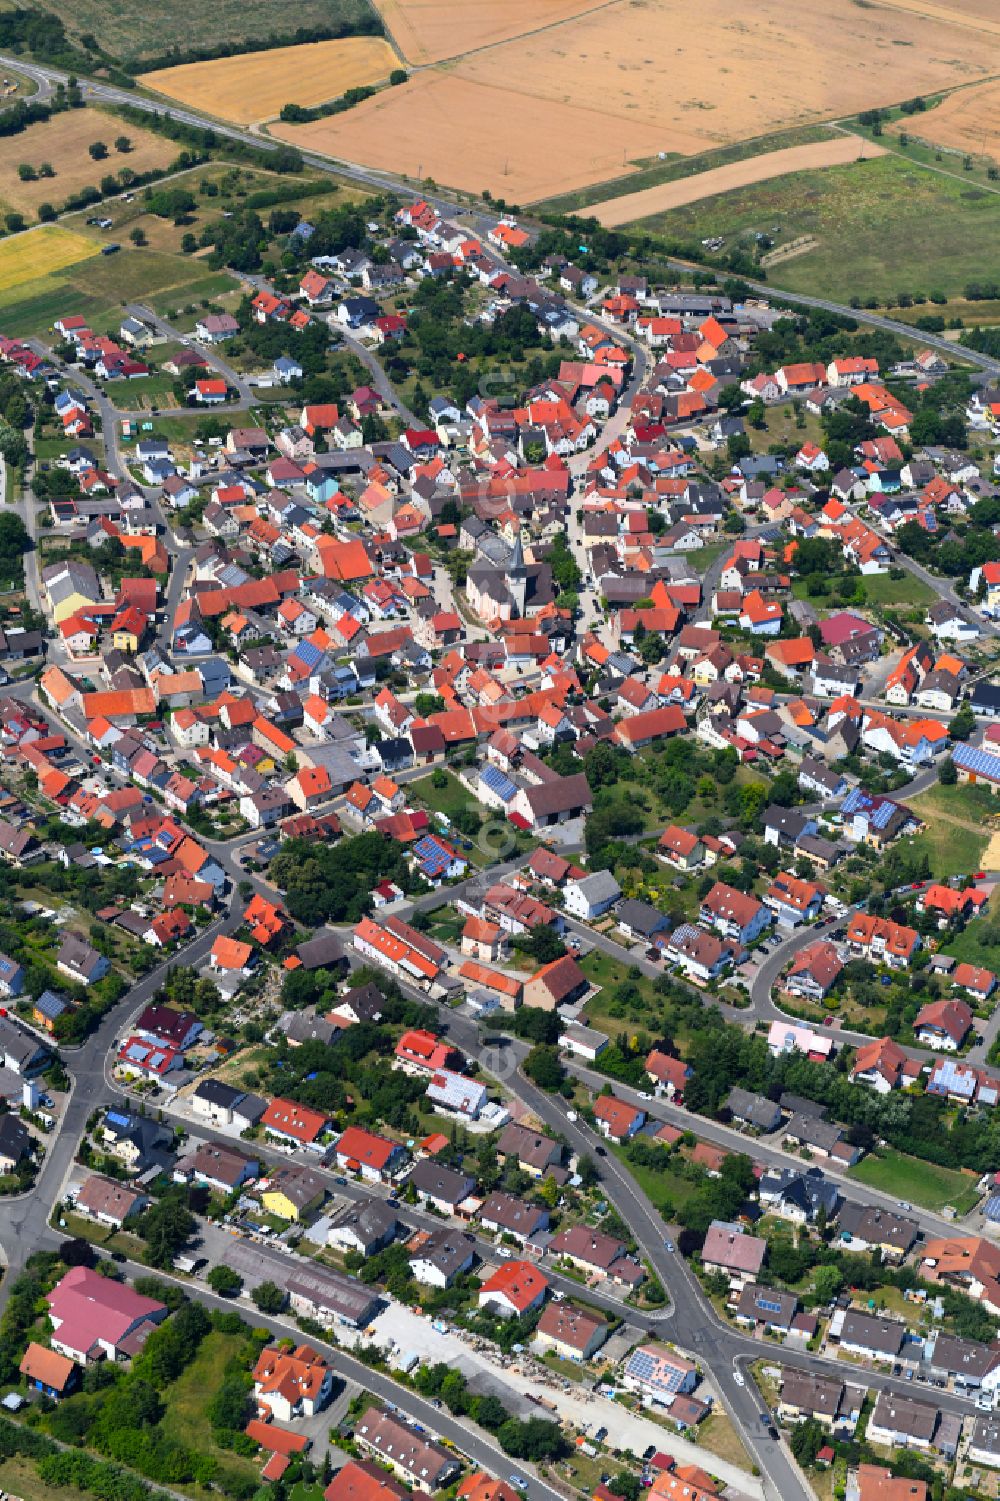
column 972, row 945
column 665, row 1188
column 880, row 589
column 917, row 1182
column 129, row 29
column 935, row 225
column 98, row 288
column 951, row 850
column 185, row 1418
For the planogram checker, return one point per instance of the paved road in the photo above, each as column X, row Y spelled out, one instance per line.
column 229, row 373
column 25, row 1220
column 383, row 385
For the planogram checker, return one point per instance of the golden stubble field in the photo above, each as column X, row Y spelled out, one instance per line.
column 63, row 142
column 966, row 121
column 254, row 86
column 475, row 136
column 578, row 102
column 428, row 31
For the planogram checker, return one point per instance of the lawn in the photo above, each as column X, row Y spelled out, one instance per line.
column 971, row 946
column 909, row 1179
column 965, row 803
column 39, row 253
column 786, row 423
column 939, row 225
column 449, row 799
column 880, row 589
column 19, row 1478
column 718, row 1436
column 665, row 1187
column 702, row 558
column 951, row 848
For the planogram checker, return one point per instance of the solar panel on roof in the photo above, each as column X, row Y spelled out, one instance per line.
column 980, row 762
column 495, row 780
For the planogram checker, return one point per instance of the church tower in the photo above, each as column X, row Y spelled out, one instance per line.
column 517, row 580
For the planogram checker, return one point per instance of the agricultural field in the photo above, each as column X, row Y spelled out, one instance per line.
column 593, row 83
column 939, row 226
column 63, row 143
column 97, row 288
column 833, row 152
column 670, row 166
column 832, row 60
column 422, row 130
column 40, row 252
column 132, row 29
column 254, row 85
column 428, row 31
column 966, row 121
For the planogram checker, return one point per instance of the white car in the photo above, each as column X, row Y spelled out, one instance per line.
column 739, row 1378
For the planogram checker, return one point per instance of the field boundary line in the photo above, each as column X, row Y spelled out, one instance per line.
column 520, row 36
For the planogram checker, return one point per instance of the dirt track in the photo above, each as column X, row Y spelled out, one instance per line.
column 835, row 152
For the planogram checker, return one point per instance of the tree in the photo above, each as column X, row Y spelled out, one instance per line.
column 268, row 1297
column 138, row 236
column 46, row 169
column 827, row 1282
column 14, row 223
column 224, row 1281
column 123, row 144
column 97, row 150
column 165, row 1227
column 397, row 76
column 77, row 1252
column 542, row 1065
column 808, row 1438
column 46, row 213
column 963, row 723
column 625, row 1484
column 948, row 772
column 26, row 172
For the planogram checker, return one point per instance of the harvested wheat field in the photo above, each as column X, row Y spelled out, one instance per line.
column 63, row 142
column 667, row 195
column 428, row 31
column 474, row 136
column 39, row 252
column 967, row 121
column 254, row 85
column 720, row 73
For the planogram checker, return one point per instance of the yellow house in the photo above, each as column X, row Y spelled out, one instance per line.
column 293, row 1192
column 125, row 639
column 71, row 586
